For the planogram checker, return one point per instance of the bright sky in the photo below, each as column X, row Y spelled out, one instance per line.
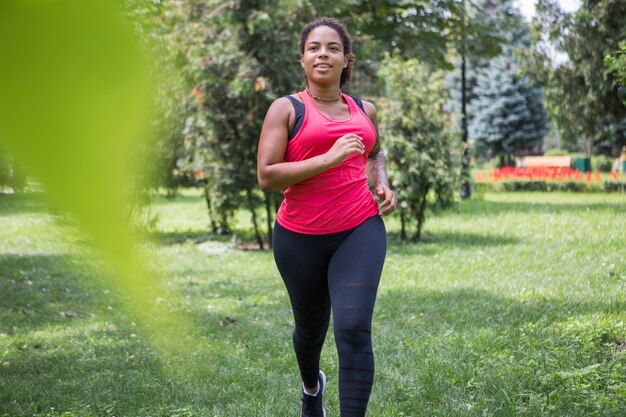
column 528, row 6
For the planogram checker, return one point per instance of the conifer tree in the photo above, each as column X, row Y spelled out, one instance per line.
column 508, row 113
column 505, row 113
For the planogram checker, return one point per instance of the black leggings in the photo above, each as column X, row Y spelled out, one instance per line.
column 339, row 271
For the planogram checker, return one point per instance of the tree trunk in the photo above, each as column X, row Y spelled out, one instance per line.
column 276, row 204
column 207, row 198
column 224, row 227
column 421, row 216
column 268, row 211
column 466, row 189
column 402, row 226
column 259, row 239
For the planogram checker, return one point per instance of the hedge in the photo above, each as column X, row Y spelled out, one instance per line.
column 572, row 186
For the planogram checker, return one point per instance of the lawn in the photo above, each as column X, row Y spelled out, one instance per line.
column 513, row 305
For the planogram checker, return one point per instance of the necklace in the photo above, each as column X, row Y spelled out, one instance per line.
column 326, row 99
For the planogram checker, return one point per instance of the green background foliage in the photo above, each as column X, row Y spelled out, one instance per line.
column 419, row 140
column 580, row 94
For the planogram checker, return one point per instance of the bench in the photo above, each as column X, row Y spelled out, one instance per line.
column 544, row 161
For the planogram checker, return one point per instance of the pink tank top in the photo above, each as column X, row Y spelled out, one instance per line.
column 339, row 198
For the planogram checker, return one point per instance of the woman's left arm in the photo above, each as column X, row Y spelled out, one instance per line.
column 376, row 168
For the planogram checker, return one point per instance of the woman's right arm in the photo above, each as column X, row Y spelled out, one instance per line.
column 273, row 173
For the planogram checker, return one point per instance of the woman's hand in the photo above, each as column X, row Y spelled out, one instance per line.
column 344, row 147
column 387, row 200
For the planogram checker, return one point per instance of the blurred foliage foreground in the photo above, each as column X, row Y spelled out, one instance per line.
column 76, row 88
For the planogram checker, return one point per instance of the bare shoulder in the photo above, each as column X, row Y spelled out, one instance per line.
column 370, row 110
column 280, row 113
column 281, row 107
column 296, row 96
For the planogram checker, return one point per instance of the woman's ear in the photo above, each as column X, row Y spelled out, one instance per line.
column 302, row 61
column 347, row 58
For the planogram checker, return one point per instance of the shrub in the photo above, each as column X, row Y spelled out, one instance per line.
column 419, row 141
column 615, row 187
column 547, row 186
column 556, row 152
column 602, row 163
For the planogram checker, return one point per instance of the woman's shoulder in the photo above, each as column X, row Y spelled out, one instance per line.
column 294, row 96
column 285, row 104
column 283, row 110
column 283, row 100
column 368, row 106
column 282, row 106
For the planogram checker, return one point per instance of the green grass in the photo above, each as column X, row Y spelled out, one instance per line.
column 514, row 305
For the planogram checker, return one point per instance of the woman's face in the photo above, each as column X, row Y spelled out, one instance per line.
column 323, row 59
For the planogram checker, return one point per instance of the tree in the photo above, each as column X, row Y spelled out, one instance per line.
column 505, row 114
column 617, row 65
column 422, row 29
column 580, row 94
column 237, row 57
column 419, row 142
column 508, row 113
column 509, row 34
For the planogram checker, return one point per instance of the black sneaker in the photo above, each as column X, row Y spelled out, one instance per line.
column 312, row 406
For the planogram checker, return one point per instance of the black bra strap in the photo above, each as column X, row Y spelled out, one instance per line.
column 359, row 103
column 298, row 106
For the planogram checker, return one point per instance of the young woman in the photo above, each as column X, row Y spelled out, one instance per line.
column 329, row 238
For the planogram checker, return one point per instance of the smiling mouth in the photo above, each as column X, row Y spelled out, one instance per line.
column 322, row 66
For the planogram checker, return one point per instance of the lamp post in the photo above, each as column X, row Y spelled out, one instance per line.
column 466, row 189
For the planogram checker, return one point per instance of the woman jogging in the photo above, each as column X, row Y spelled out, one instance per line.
column 329, row 238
